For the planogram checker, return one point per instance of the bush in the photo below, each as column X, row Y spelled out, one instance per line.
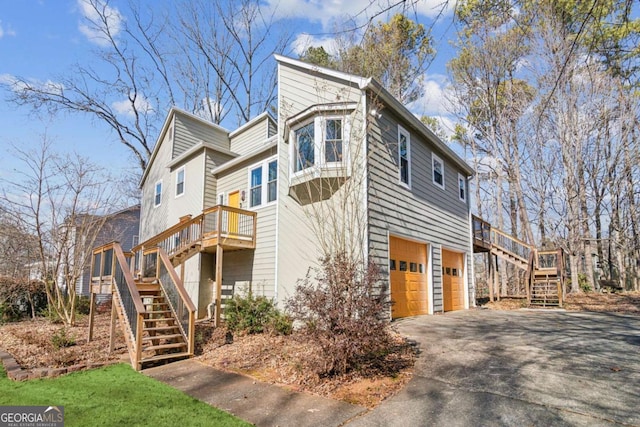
column 342, row 310
column 20, row 298
column 83, row 305
column 61, row 339
column 255, row 314
column 584, row 283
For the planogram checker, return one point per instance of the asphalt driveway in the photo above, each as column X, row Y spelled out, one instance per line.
column 518, row 368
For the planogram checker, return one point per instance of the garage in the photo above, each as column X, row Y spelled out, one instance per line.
column 408, row 276
column 452, row 280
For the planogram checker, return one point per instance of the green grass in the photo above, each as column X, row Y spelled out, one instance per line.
column 114, row 395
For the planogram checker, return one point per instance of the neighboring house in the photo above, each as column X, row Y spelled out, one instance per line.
column 344, row 165
column 121, row 226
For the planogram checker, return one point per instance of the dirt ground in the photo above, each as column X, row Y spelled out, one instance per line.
column 31, row 342
column 624, row 303
column 287, row 360
column 275, row 359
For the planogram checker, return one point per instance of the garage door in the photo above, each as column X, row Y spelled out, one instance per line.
column 408, row 275
column 452, row 281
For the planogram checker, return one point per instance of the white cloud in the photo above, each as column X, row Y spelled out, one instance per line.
column 8, row 31
column 18, row 85
column 124, row 107
column 303, row 41
column 93, row 26
column 435, row 101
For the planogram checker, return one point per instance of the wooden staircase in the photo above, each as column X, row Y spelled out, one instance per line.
column 155, row 313
column 544, row 269
column 544, row 289
column 162, row 337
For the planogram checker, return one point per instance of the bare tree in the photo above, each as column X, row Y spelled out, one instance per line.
column 61, row 201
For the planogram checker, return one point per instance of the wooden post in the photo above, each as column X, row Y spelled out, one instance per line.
column 491, row 274
column 92, row 312
column 219, row 252
column 496, row 282
column 112, row 330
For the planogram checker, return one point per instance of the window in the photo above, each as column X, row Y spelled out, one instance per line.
column 264, row 172
column 438, row 170
column 319, row 143
column 413, row 267
column 256, row 187
column 158, row 194
column 272, row 181
column 403, row 265
column 392, row 264
column 462, row 188
column 333, row 141
column 305, row 147
column 180, row 182
column 221, row 199
column 404, row 156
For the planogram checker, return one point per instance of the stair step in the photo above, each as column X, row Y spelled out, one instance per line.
column 160, row 328
column 158, row 319
column 165, row 357
column 162, row 337
column 165, row 346
column 159, row 312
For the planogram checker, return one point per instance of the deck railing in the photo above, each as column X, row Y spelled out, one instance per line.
column 110, row 262
column 183, row 308
column 511, row 245
column 481, row 233
column 219, row 222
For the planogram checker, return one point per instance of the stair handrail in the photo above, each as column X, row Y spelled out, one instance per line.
column 133, row 309
column 519, row 244
column 177, row 297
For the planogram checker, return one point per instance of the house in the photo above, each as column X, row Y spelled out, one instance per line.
column 344, row 166
column 121, row 226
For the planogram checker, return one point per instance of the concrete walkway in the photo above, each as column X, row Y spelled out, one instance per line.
column 476, row 368
column 259, row 403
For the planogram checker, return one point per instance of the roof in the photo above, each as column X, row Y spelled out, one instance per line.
column 372, row 85
column 167, row 123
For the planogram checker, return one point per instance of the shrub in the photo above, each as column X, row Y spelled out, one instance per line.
column 584, row 283
column 342, row 311
column 83, row 305
column 255, row 314
column 20, row 298
column 61, row 339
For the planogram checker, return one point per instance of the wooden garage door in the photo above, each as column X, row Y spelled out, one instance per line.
column 452, row 281
column 408, row 274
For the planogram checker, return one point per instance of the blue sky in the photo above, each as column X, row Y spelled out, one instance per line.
column 42, row 39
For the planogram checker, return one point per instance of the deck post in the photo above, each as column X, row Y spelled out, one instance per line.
column 92, row 312
column 219, row 255
column 112, row 329
column 492, row 273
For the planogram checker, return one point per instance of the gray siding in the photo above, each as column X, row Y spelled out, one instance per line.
column 424, row 212
column 299, row 247
column 189, row 131
column 251, row 268
column 251, row 136
column 154, row 219
column 190, row 202
column 120, row 227
column 213, row 159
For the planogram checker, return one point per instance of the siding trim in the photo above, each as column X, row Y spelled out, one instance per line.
column 269, row 144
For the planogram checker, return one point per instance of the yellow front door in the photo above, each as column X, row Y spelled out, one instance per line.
column 234, row 202
column 408, row 275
